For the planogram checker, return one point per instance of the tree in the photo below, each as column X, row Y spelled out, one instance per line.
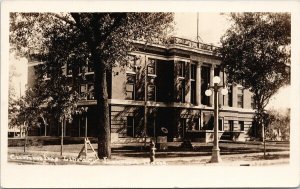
column 104, row 39
column 255, row 52
column 278, row 125
column 12, row 100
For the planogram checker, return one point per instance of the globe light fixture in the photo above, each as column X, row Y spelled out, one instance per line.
column 216, row 158
column 216, row 80
column 224, row 91
column 208, row 92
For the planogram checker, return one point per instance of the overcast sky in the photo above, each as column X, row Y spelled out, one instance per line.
column 211, row 27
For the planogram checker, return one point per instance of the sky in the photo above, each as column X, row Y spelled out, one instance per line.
column 211, row 27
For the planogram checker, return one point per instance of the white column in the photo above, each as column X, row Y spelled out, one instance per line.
column 221, row 83
column 226, row 96
column 187, row 82
column 198, row 84
column 212, row 73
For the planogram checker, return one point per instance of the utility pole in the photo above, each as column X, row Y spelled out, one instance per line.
column 197, row 29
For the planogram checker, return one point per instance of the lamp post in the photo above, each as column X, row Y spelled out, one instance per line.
column 215, row 158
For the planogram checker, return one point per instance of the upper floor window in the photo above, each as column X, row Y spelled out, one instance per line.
column 151, row 79
column 205, row 80
column 181, row 68
column 217, row 71
column 90, row 91
column 193, row 71
column 130, row 87
column 151, row 92
column 193, row 83
column 131, row 65
column 240, row 97
column 90, row 67
column 87, row 91
column 83, row 89
column 151, row 89
column 193, row 92
column 181, row 90
column 151, row 66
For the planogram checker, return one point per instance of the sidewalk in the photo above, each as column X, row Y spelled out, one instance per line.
column 127, row 157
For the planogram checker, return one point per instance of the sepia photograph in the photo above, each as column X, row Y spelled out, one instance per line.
column 100, row 89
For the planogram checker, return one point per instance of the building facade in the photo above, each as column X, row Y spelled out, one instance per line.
column 162, row 91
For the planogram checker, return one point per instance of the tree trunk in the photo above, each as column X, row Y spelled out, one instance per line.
column 104, row 138
column 259, row 120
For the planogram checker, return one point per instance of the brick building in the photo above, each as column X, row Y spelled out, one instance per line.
column 177, row 76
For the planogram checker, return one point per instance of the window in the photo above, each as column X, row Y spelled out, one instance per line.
column 151, row 67
column 217, row 71
column 240, row 98
column 193, row 92
column 193, row 124
column 193, row 83
column 181, row 69
column 90, row 91
column 241, row 125
column 220, row 125
column 87, row 91
column 131, row 65
column 197, row 124
column 181, row 91
column 193, row 71
column 130, row 126
column 130, row 87
column 151, row 80
column 231, row 125
column 205, row 79
column 151, row 92
column 83, row 90
column 230, row 96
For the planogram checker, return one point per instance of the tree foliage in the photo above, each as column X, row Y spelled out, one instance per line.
column 101, row 40
column 278, row 125
column 256, row 53
column 13, row 109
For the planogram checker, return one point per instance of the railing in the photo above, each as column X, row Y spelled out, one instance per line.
column 193, row 44
column 182, row 42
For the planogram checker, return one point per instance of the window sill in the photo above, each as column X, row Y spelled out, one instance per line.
column 129, row 72
column 152, row 75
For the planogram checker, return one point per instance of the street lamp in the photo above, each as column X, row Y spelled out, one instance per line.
column 215, row 158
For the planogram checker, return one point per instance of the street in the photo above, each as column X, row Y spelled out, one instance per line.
column 236, row 154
